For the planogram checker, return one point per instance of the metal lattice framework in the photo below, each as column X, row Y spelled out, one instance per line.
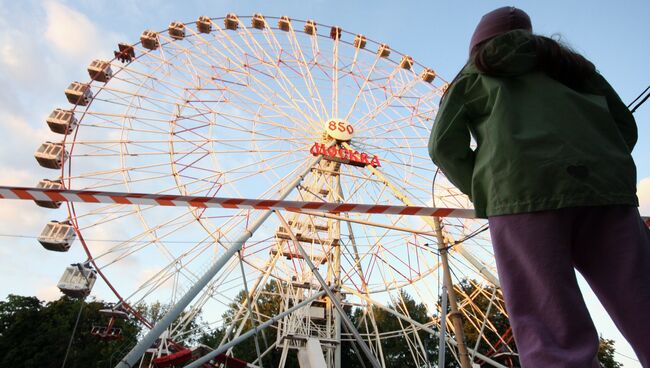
column 271, row 108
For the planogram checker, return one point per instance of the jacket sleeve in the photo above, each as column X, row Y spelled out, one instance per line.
column 622, row 116
column 449, row 143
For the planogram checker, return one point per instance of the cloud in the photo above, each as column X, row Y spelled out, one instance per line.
column 643, row 192
column 49, row 293
column 72, row 34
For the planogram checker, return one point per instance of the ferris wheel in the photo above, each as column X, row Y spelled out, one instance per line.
column 268, row 108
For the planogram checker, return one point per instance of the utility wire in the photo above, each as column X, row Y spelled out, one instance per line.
column 67, row 351
column 638, row 97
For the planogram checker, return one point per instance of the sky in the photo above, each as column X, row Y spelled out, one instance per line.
column 46, row 44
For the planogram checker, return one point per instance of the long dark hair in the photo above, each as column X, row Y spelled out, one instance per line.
column 553, row 58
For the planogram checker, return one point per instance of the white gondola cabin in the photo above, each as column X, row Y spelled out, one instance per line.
column 62, row 121
column 77, row 280
column 231, row 22
column 100, row 70
column 49, row 184
column 360, row 41
column 284, row 23
column 310, row 27
column 57, row 236
column 406, row 62
column 51, row 155
column 176, row 30
column 149, row 40
column 258, row 21
column 204, row 24
column 79, row 93
column 428, row 75
column 384, row 50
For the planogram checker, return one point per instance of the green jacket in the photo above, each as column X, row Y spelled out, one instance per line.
column 540, row 145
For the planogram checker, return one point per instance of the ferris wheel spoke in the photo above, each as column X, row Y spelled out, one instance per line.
column 250, row 86
column 310, row 82
column 371, row 114
column 290, row 87
column 335, row 78
column 360, row 92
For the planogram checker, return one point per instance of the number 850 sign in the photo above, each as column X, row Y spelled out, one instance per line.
column 339, row 130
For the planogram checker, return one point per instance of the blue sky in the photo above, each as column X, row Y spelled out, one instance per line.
column 46, row 44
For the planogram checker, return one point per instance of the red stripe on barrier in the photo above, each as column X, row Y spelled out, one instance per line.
column 197, row 203
column 377, row 209
column 267, row 203
column 443, row 212
column 231, row 203
column 55, row 196
column 312, row 205
column 343, row 208
column 88, row 198
column 22, row 194
column 409, row 211
column 164, row 202
column 120, row 200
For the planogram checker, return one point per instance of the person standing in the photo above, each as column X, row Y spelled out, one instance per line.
column 552, row 171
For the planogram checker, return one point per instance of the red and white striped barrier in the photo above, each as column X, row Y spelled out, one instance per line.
column 63, row 195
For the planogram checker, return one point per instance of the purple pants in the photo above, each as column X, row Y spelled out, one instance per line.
column 536, row 254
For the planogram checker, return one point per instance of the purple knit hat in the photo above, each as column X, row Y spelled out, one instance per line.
column 499, row 21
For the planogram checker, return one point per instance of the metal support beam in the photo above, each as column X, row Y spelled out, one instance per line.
column 136, row 353
column 206, row 358
column 332, row 296
column 419, row 325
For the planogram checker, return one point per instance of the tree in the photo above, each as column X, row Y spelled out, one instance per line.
column 396, row 349
column 497, row 340
column 606, row 354
column 268, row 304
column 36, row 334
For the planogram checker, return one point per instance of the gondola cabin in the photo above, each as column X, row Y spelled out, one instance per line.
column 231, row 22
column 77, row 280
column 149, row 40
column 258, row 21
column 100, row 70
column 62, row 121
column 49, row 184
column 204, row 24
column 284, row 23
column 51, row 155
column 79, row 93
column 57, row 236
column 310, row 27
column 176, row 30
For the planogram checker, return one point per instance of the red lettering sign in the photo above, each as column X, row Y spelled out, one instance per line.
column 344, row 155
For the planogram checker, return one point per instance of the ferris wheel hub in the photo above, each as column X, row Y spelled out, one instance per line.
column 339, row 129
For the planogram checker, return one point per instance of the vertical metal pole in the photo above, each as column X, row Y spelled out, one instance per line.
column 250, row 309
column 443, row 329
column 337, row 279
column 456, row 319
column 138, row 350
